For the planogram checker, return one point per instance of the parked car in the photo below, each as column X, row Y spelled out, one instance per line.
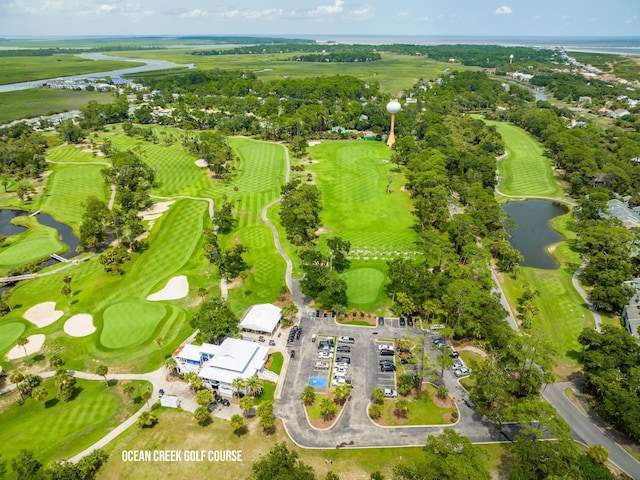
column 381, row 321
column 461, row 371
column 436, row 327
column 324, row 354
column 342, row 365
column 212, row 406
column 385, row 361
column 225, row 402
column 261, row 338
column 410, row 321
column 343, row 359
column 402, row 322
column 313, row 338
column 439, row 342
column 272, row 343
column 390, row 393
column 385, row 346
column 343, row 348
column 293, row 353
column 346, row 340
column 385, row 353
column 388, row 367
column 322, row 365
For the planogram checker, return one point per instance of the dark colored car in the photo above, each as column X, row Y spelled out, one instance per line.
column 381, row 321
column 293, row 353
column 343, row 360
column 212, row 406
column 410, row 321
column 386, row 353
column 343, row 348
column 217, row 397
column 385, row 361
column 387, row 368
column 402, row 322
column 225, row 402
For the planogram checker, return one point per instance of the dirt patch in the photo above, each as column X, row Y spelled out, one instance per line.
column 445, row 402
column 321, row 230
column 8, row 399
column 235, row 283
column 469, row 347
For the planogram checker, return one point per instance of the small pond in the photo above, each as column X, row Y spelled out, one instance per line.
column 534, row 234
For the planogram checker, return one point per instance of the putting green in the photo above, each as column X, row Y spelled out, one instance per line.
column 130, row 323
column 363, row 285
column 28, row 251
column 9, row 333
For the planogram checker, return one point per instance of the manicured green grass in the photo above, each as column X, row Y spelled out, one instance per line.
column 68, row 188
column 392, row 72
column 37, row 242
column 9, row 333
column 526, row 170
column 130, row 323
column 63, row 429
column 36, row 102
column 470, row 359
column 353, row 177
column 364, row 285
column 22, row 69
column 276, row 362
column 421, row 412
column 267, row 395
column 313, row 410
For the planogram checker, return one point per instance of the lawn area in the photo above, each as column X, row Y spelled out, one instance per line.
column 36, row 102
column 36, row 242
column 421, row 412
column 392, row 72
column 267, row 395
column 276, row 362
column 179, row 428
column 526, row 170
column 68, row 188
column 62, row 429
column 130, row 323
column 353, row 177
column 22, row 69
column 9, row 333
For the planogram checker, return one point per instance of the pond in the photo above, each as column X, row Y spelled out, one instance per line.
column 534, row 234
column 65, row 233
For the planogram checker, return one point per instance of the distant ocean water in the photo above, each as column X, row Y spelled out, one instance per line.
column 619, row 45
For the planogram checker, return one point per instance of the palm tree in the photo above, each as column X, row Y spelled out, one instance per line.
column 22, row 342
column 39, row 394
column 328, row 407
column 246, row 404
column 102, row 370
column 171, row 365
column 253, row 385
column 159, row 342
column 204, row 397
column 15, row 378
column 147, row 419
column 202, row 415
column 56, row 361
column 6, row 295
column 308, row 395
column 128, row 388
column 237, row 423
column 402, row 407
column 237, row 384
column 377, row 395
column 375, row 411
column 66, row 288
column 442, row 392
column 146, row 395
column 202, row 293
column 267, row 421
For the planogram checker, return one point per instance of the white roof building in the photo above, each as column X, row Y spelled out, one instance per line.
column 262, row 318
column 219, row 365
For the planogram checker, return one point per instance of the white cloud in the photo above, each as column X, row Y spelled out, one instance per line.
column 196, row 12
column 337, row 7
column 423, row 19
column 402, row 15
column 631, row 20
column 252, row 14
column 504, row 10
column 363, row 13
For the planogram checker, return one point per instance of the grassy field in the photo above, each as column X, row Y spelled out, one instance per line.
column 393, row 72
column 36, row 242
column 526, row 170
column 36, row 102
column 23, row 69
column 421, row 412
column 353, row 177
column 276, row 362
column 9, row 333
column 179, row 428
column 62, row 429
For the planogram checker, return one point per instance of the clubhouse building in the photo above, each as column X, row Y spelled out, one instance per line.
column 263, row 319
column 219, row 365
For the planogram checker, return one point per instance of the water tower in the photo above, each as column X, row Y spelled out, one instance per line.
column 393, row 107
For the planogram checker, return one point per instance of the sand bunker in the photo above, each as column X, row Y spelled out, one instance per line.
column 153, row 212
column 79, row 325
column 312, row 143
column 177, row 287
column 43, row 314
column 202, row 163
column 34, row 345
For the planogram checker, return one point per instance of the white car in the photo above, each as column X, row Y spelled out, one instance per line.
column 323, row 354
column 461, row 371
column 385, row 346
column 346, row 339
column 322, row 365
column 390, row 393
column 342, row 365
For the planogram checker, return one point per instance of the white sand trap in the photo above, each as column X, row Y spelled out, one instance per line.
column 34, row 345
column 79, row 325
column 157, row 208
column 312, row 143
column 202, row 163
column 177, row 287
column 43, row 314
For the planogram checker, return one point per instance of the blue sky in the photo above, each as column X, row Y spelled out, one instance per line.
column 316, row 17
